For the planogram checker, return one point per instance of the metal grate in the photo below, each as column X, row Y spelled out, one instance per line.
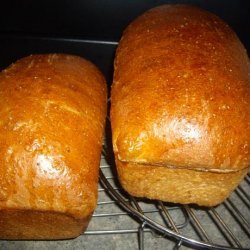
column 224, row 227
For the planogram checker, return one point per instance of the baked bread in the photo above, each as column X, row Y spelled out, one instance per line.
column 52, row 110
column 180, row 107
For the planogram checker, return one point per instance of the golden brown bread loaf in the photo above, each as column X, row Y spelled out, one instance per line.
column 180, row 107
column 52, row 110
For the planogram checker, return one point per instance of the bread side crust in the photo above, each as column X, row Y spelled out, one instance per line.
column 52, row 110
column 182, row 186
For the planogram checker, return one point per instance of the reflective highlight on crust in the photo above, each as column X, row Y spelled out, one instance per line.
column 180, row 107
column 181, row 92
column 52, row 113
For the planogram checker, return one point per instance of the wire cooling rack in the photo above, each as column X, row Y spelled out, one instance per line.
column 224, row 227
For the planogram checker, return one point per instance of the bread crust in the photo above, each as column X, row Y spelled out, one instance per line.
column 181, row 92
column 182, row 186
column 180, row 107
column 52, row 110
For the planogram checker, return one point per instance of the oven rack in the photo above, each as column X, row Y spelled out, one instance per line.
column 226, row 226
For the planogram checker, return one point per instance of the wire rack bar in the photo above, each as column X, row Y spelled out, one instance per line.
column 240, row 218
column 170, row 222
column 245, row 196
column 116, row 231
column 197, row 225
column 224, row 228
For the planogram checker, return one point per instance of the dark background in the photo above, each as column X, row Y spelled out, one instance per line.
column 35, row 26
column 103, row 19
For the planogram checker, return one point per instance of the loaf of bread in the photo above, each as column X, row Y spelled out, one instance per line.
column 52, row 115
column 180, row 107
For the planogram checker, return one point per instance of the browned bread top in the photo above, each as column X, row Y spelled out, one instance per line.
column 52, row 115
column 181, row 92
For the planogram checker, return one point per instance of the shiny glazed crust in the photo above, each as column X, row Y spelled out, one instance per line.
column 181, row 92
column 180, row 107
column 52, row 110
